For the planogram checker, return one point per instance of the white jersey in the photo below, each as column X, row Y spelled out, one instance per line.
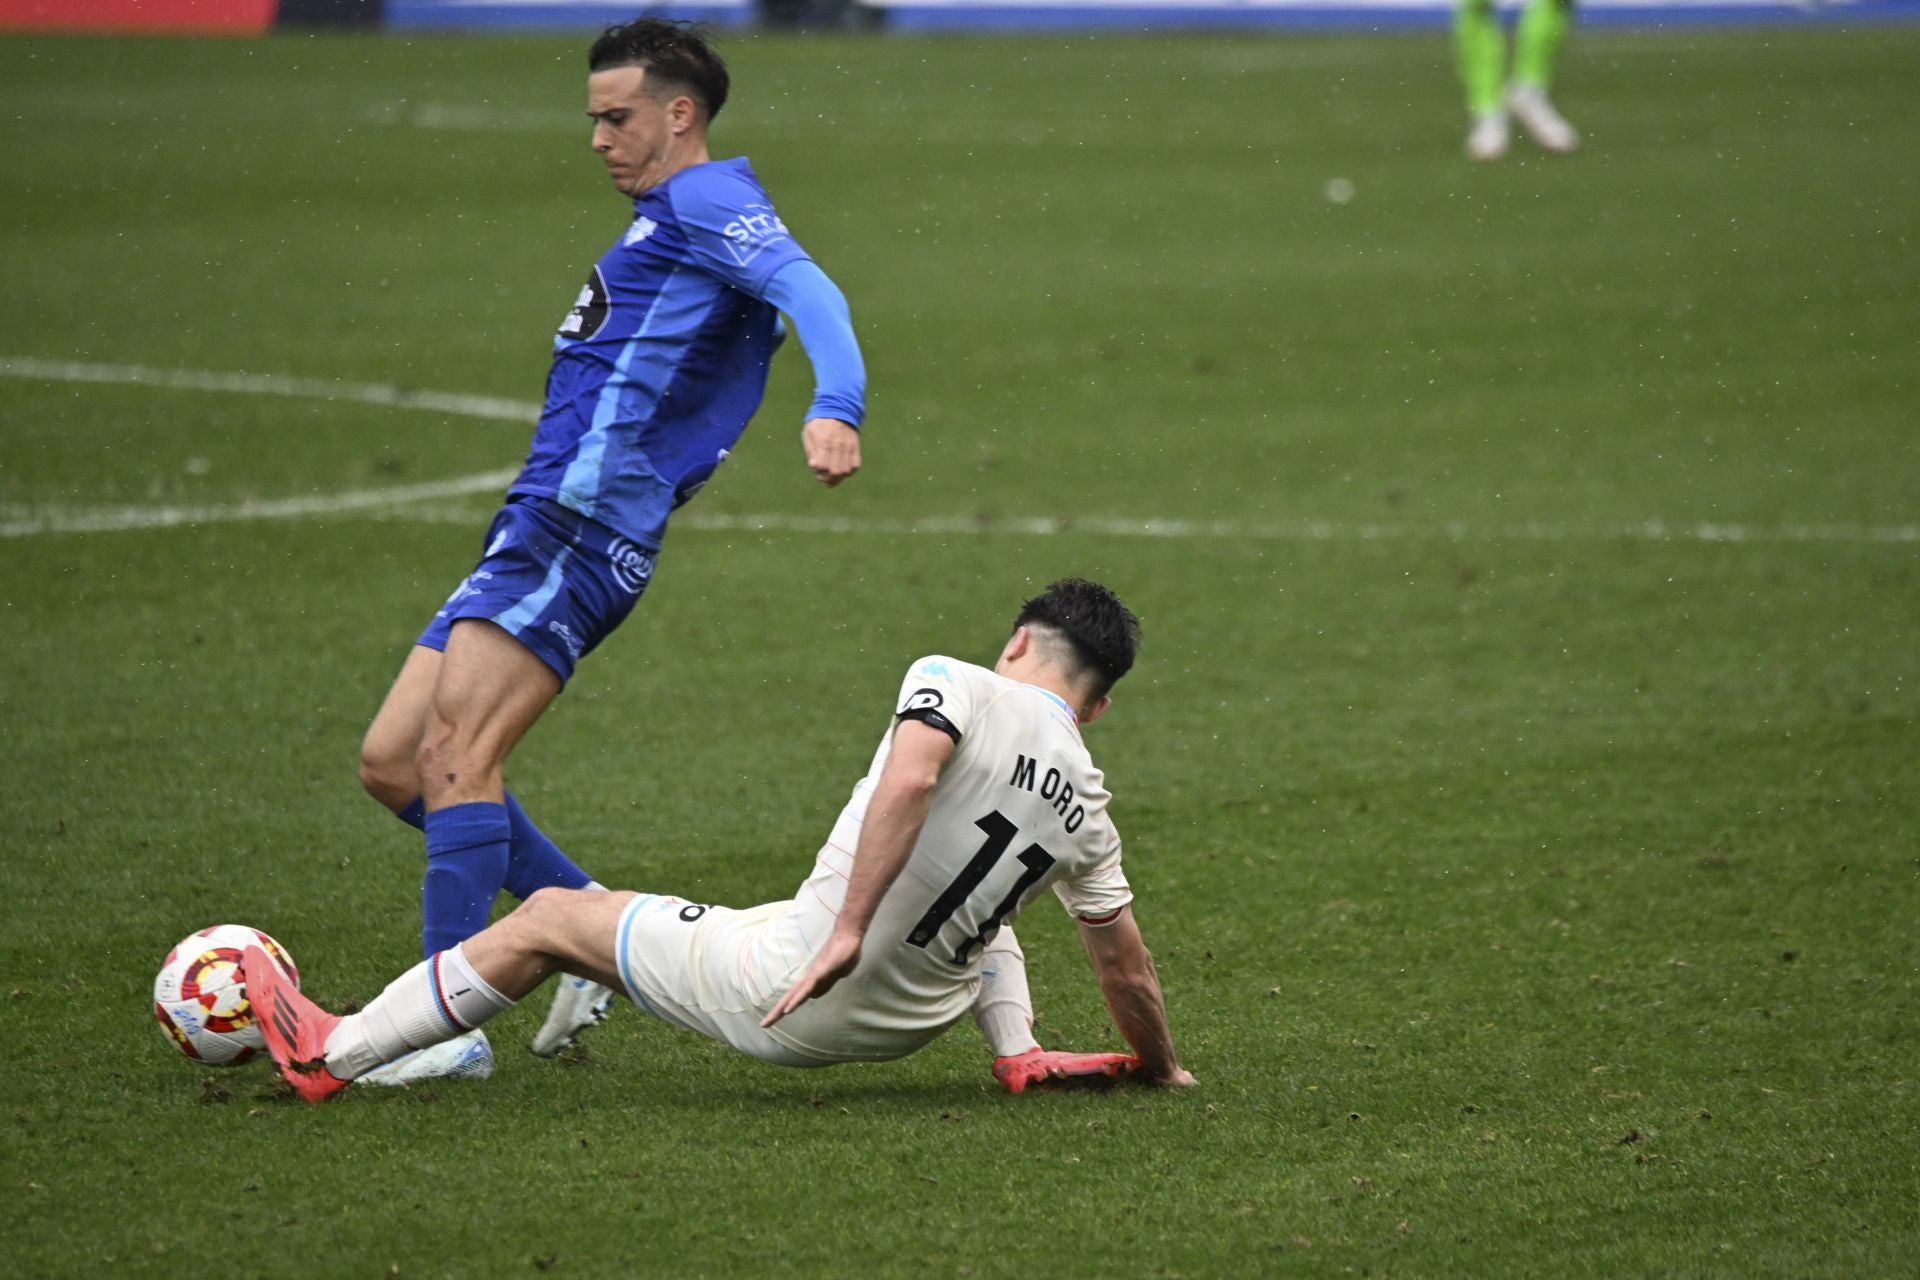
column 1019, row 808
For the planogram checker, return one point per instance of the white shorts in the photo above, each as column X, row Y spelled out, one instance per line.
column 688, row 964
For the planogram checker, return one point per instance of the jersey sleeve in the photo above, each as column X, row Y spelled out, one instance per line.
column 1097, row 895
column 732, row 231
column 938, row 693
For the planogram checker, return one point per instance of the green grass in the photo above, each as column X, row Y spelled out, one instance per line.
column 1534, row 896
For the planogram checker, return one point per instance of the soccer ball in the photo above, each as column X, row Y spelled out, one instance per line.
column 201, row 1002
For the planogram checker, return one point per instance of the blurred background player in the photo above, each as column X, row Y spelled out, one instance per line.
column 656, row 371
column 980, row 797
column 1493, row 98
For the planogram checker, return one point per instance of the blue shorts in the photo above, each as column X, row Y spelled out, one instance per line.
column 552, row 579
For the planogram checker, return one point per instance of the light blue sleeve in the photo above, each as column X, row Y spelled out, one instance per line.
column 731, row 228
column 825, row 328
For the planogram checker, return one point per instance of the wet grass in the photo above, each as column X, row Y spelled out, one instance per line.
column 1534, row 895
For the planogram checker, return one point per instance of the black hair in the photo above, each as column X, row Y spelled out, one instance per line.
column 1102, row 633
column 676, row 53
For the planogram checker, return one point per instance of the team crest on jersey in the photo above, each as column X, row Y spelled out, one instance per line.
column 589, row 310
column 642, row 227
column 754, row 229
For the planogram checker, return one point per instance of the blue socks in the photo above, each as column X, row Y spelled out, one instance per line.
column 470, row 858
column 535, row 862
column 466, row 865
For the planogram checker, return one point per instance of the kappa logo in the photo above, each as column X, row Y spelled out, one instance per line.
column 642, row 227
column 632, row 567
column 749, row 234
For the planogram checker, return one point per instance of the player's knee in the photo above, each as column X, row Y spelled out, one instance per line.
column 539, row 923
column 391, row 780
column 543, row 907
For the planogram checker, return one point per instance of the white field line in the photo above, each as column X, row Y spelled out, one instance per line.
column 1302, row 531
column 267, row 384
column 22, row 521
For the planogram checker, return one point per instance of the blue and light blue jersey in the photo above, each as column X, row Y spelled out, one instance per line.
column 664, row 357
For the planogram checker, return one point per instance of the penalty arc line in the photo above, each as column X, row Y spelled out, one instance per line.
column 23, row 520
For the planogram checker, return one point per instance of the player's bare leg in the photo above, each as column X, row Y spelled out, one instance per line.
column 390, row 751
column 445, row 996
column 490, row 690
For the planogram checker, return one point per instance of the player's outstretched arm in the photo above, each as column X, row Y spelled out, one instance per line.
column 895, row 813
column 831, row 437
column 1127, row 978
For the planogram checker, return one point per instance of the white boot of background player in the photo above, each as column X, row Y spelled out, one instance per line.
column 1529, row 105
column 465, row 1057
column 577, row 1005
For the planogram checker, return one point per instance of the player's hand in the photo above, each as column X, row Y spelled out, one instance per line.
column 830, row 964
column 832, row 448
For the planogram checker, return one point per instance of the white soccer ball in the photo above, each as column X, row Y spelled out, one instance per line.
column 202, row 1003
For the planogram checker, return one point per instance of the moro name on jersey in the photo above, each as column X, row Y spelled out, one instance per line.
column 1053, row 787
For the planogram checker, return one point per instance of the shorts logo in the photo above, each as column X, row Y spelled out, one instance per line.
column 922, row 700
column 566, row 634
column 632, row 567
column 757, row 227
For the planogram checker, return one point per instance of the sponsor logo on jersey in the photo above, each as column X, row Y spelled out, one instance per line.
column 922, row 700
column 752, row 231
column 642, row 227
column 632, row 567
column 589, row 310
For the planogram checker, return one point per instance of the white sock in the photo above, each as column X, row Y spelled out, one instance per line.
column 596, row 886
column 438, row 999
column 1003, row 1009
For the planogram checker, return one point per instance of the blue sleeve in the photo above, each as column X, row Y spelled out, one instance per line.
column 825, row 327
column 731, row 229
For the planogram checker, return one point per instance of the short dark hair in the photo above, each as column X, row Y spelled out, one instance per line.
column 675, row 53
column 1102, row 633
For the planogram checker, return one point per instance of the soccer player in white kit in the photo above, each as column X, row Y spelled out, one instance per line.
column 980, row 798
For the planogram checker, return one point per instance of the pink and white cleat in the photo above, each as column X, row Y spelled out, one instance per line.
column 296, row 1029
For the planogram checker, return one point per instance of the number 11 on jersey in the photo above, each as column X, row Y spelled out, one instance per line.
column 1001, row 834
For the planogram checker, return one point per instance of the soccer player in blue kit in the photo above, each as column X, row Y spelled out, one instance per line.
column 656, row 371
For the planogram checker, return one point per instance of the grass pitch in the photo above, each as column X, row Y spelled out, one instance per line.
column 1518, row 778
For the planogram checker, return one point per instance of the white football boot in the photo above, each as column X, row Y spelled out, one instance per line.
column 1536, row 115
column 1488, row 141
column 465, row 1057
column 577, row 1005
